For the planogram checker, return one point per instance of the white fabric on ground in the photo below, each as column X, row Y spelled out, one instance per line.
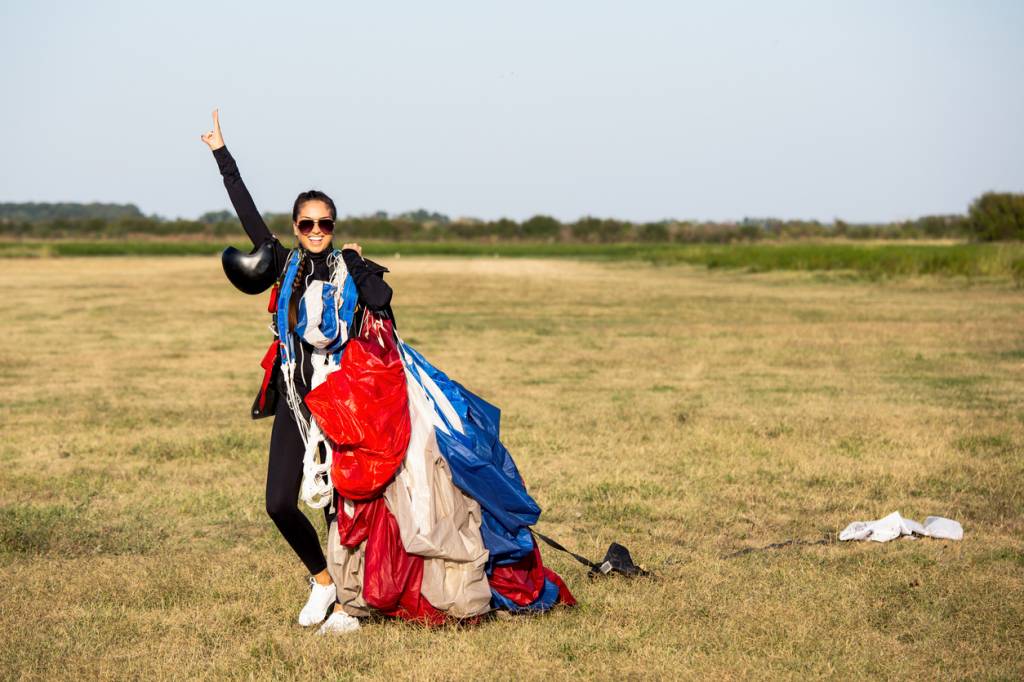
column 946, row 529
column 894, row 526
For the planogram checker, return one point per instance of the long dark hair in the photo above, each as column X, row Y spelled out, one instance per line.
column 310, row 195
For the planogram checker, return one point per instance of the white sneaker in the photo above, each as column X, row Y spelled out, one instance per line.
column 338, row 623
column 320, row 599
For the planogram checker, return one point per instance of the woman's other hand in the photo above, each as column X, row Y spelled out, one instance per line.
column 213, row 138
column 355, row 247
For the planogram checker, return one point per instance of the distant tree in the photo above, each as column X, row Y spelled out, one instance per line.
column 422, row 215
column 652, row 232
column 997, row 216
column 504, row 228
column 938, row 226
column 750, row 232
column 587, row 229
column 45, row 211
column 211, row 217
column 541, row 227
column 592, row 229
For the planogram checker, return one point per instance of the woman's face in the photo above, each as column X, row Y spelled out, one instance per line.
column 318, row 239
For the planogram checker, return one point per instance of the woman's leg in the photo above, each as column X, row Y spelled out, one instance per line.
column 284, row 476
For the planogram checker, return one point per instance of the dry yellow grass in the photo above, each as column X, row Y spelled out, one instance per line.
column 685, row 414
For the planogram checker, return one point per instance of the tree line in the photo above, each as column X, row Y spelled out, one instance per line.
column 991, row 217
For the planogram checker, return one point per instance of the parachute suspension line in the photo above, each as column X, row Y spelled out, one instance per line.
column 288, row 344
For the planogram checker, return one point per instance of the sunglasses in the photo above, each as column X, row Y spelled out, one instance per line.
column 306, row 225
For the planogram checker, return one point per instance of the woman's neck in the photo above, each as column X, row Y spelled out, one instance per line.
column 319, row 256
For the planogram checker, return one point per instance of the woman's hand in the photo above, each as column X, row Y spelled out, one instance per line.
column 355, row 247
column 213, row 138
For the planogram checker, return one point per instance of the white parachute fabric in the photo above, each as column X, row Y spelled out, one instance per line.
column 432, row 393
column 893, row 526
column 346, row 568
column 436, row 520
column 319, row 322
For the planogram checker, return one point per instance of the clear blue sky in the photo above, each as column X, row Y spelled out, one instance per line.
column 634, row 109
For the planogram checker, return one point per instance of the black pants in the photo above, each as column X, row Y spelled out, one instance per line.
column 284, row 476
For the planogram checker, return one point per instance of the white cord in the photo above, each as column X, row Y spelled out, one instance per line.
column 316, row 488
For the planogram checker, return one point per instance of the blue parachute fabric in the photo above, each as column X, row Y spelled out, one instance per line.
column 488, row 416
column 548, row 597
column 283, row 298
column 482, row 467
column 477, row 472
column 349, row 296
column 503, row 547
column 329, row 322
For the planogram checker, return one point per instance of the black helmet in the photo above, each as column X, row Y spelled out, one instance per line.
column 252, row 273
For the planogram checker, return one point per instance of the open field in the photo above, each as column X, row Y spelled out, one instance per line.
column 859, row 259
column 686, row 413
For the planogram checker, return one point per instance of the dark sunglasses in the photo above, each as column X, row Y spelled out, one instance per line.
column 326, row 225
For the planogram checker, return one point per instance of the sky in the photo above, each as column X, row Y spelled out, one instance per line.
column 637, row 110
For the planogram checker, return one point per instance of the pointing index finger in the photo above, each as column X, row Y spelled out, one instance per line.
column 216, row 119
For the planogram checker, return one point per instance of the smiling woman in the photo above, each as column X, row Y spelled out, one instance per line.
column 314, row 224
column 282, row 393
column 428, row 518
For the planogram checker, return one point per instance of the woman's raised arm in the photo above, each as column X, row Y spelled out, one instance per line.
column 245, row 207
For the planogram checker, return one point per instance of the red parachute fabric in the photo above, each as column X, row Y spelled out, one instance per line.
column 564, row 595
column 267, row 363
column 352, row 530
column 363, row 409
column 523, row 581
column 392, row 577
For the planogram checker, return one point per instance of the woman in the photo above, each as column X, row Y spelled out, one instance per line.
column 313, row 216
column 431, row 518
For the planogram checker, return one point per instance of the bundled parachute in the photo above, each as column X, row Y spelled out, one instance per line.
column 433, row 520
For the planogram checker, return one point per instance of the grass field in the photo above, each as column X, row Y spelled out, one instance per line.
column 686, row 413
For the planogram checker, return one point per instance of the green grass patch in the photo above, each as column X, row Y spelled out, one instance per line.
column 997, row 446
column 1001, row 261
column 110, row 248
column 68, row 531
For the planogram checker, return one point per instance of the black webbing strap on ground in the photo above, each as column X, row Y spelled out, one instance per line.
column 582, row 559
column 829, row 540
column 616, row 560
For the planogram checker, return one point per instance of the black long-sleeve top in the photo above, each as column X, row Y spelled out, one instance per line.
column 374, row 292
